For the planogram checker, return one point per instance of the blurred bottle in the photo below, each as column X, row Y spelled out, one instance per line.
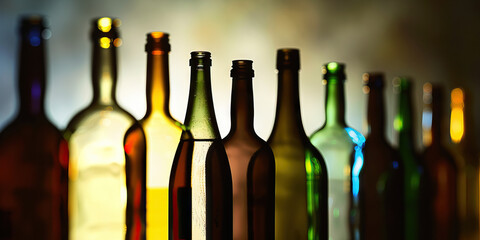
column 414, row 173
column 33, row 153
column 98, row 194
column 200, row 193
column 162, row 134
column 342, row 148
column 381, row 181
column 301, row 174
column 251, row 162
column 442, row 172
column 462, row 134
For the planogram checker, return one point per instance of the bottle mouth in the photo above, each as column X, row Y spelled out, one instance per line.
column 333, row 71
column 242, row 69
column 200, row 59
column 158, row 42
column 373, row 80
column 402, row 84
column 105, row 27
column 33, row 29
column 288, row 58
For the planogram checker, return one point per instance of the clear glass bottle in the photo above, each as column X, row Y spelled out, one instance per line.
column 251, row 161
column 33, row 153
column 98, row 194
column 341, row 146
column 162, row 134
column 200, row 192
column 301, row 175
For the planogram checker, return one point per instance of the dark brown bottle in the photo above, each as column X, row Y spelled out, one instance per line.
column 33, row 153
column 381, row 180
column 442, row 170
column 251, row 161
column 200, row 190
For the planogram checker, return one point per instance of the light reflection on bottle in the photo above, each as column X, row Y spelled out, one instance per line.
column 456, row 118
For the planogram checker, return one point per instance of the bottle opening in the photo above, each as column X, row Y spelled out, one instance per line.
column 200, row 59
column 288, row 58
column 33, row 29
column 333, row 71
column 373, row 80
column 106, row 28
column 158, row 43
column 242, row 69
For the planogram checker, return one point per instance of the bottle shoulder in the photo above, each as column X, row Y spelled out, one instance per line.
column 329, row 136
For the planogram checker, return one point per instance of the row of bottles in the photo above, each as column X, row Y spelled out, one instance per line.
column 112, row 177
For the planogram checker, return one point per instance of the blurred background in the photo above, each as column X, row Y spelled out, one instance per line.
column 435, row 42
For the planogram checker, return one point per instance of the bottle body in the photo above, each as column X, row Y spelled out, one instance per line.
column 98, row 192
column 301, row 174
column 341, row 147
column 33, row 153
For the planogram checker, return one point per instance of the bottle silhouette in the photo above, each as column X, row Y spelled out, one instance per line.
column 33, row 153
column 416, row 211
column 341, row 146
column 381, row 180
column 442, row 170
column 200, row 192
column 162, row 134
column 251, row 161
column 97, row 200
column 301, row 175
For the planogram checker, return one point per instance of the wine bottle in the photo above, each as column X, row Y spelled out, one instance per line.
column 301, row 175
column 162, row 134
column 98, row 194
column 414, row 171
column 381, row 181
column 251, row 161
column 33, row 153
column 442, row 170
column 342, row 148
column 200, row 190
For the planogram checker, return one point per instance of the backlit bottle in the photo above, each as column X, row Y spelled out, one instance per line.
column 162, row 134
column 200, row 192
column 33, row 153
column 301, row 175
column 98, row 194
column 341, row 146
column 251, row 161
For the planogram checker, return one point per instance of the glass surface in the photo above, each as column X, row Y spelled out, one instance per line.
column 200, row 190
column 251, row 161
column 301, row 174
column 98, row 194
column 33, row 153
column 162, row 134
column 381, row 180
column 341, row 147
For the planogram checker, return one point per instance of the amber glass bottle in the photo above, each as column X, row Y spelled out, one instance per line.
column 301, row 175
column 162, row 134
column 98, row 194
column 381, row 180
column 342, row 148
column 443, row 176
column 33, row 153
column 200, row 190
column 251, row 161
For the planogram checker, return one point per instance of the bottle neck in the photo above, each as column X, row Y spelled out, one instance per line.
column 104, row 73
column 32, row 78
column 405, row 121
column 288, row 114
column 158, row 86
column 335, row 103
column 200, row 117
column 376, row 113
column 437, row 113
column 242, row 106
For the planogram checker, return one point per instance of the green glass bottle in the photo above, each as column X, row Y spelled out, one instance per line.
column 97, row 187
column 341, row 146
column 301, row 175
column 251, row 161
column 200, row 190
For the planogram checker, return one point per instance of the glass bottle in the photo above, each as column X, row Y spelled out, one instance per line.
column 33, row 153
column 414, row 171
column 162, row 134
column 251, row 161
column 341, row 146
column 301, row 175
column 442, row 170
column 98, row 194
column 200, row 192
column 381, row 181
